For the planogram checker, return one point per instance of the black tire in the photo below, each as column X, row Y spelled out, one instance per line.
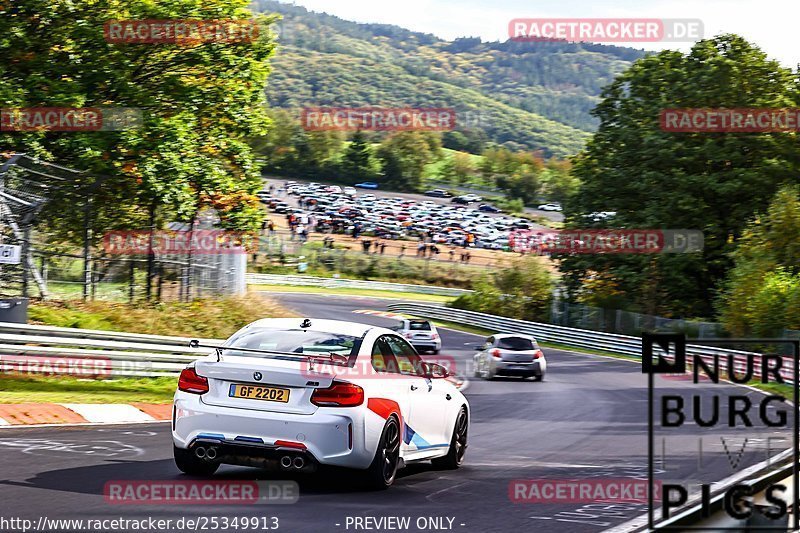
column 540, row 377
column 381, row 473
column 435, row 352
column 188, row 463
column 458, row 444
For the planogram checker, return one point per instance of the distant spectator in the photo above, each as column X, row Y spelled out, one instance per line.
column 383, row 247
column 366, row 244
column 302, row 232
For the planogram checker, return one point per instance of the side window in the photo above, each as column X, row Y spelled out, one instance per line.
column 383, row 360
column 408, row 362
column 489, row 343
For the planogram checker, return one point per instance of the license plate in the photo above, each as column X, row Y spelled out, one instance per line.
column 257, row 392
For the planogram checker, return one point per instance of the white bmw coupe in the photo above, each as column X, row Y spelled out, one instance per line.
column 295, row 393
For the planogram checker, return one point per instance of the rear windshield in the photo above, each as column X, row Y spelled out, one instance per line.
column 295, row 341
column 517, row 344
column 419, row 325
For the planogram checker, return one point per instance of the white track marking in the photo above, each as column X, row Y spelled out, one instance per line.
column 109, row 413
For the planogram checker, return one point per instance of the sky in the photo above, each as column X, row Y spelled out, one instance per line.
column 770, row 24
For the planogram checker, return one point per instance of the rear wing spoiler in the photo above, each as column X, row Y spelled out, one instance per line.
column 331, row 357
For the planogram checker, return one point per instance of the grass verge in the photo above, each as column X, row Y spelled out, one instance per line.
column 209, row 318
column 15, row 388
column 369, row 293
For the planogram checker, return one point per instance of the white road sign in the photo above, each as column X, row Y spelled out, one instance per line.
column 10, row 254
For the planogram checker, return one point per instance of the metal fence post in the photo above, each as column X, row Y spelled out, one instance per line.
column 26, row 250
column 132, row 281
column 87, row 243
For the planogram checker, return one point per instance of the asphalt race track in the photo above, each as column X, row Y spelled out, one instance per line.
column 587, row 420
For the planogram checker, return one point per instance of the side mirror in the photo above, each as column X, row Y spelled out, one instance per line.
column 436, row 371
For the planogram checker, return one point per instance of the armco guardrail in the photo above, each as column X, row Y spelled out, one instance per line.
column 84, row 352
column 578, row 338
column 343, row 283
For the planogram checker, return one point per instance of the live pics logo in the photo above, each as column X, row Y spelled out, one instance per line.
column 666, row 354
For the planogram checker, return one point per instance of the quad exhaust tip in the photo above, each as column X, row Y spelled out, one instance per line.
column 299, row 462
column 211, row 454
column 286, row 461
column 200, row 452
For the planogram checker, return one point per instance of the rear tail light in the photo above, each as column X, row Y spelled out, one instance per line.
column 495, row 353
column 435, row 336
column 339, row 394
column 192, row 383
column 537, row 354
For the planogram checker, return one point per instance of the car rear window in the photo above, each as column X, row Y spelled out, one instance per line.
column 295, row 341
column 419, row 325
column 516, row 344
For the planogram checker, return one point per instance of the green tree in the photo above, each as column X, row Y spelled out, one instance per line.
column 558, row 181
column 523, row 290
column 463, row 167
column 276, row 145
column 404, row 156
column 762, row 294
column 656, row 179
column 524, row 186
column 357, row 160
column 447, row 172
column 200, row 102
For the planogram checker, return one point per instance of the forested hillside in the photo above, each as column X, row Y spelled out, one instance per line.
column 526, row 96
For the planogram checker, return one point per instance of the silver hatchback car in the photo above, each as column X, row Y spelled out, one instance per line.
column 422, row 334
column 510, row 354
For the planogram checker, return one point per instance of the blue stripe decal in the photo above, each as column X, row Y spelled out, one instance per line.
column 408, row 434
column 217, row 436
column 250, row 439
column 419, row 442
